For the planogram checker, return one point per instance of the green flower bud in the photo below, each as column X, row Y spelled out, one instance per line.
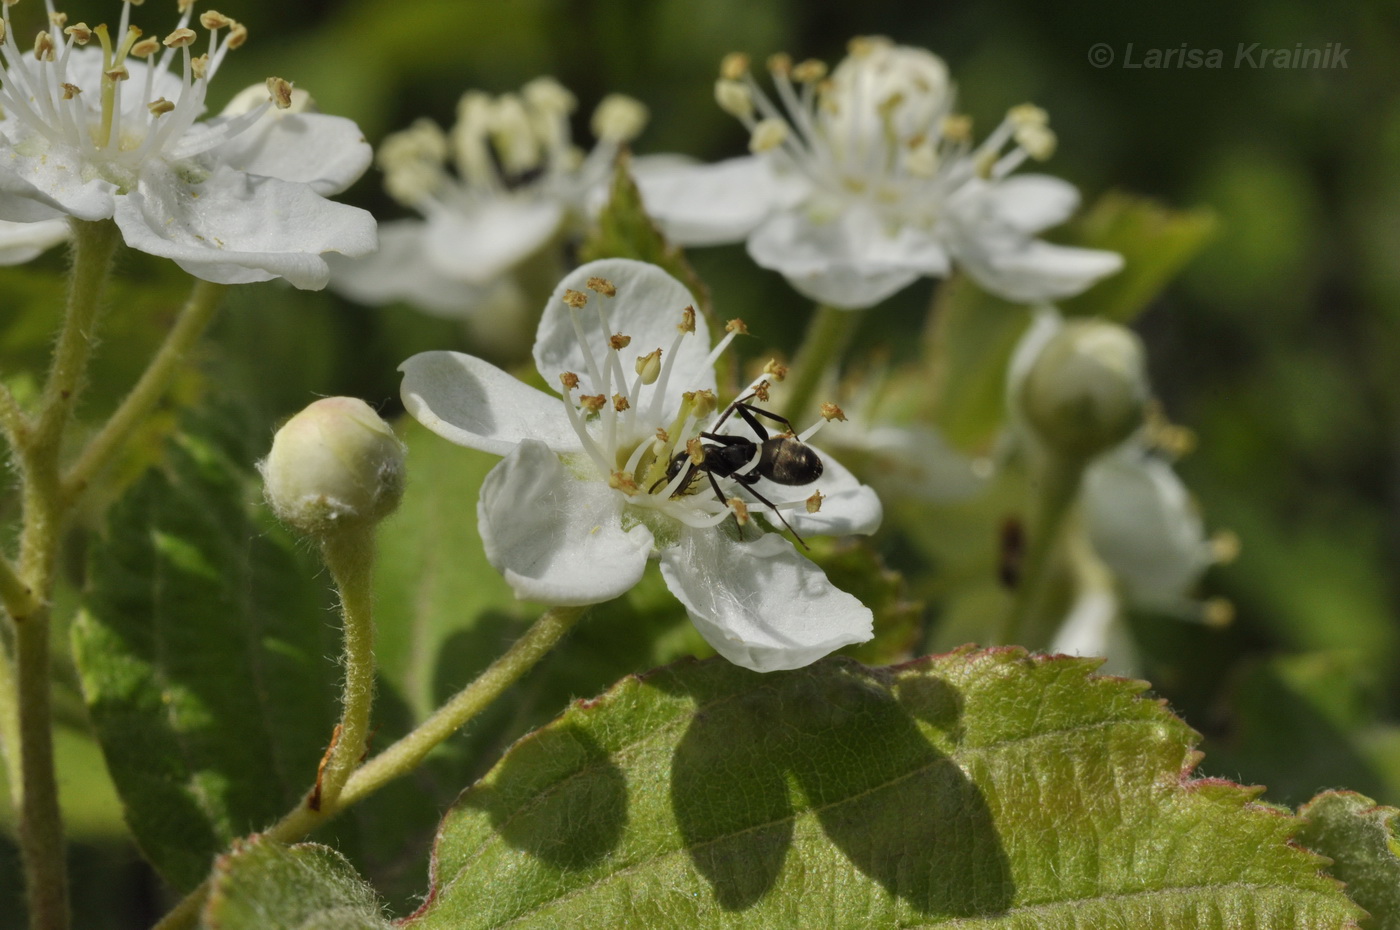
column 1087, row 390
column 333, row 466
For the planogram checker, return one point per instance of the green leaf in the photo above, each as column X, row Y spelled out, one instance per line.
column 263, row 885
column 976, row 789
column 1155, row 241
column 202, row 651
column 624, row 230
column 1363, row 841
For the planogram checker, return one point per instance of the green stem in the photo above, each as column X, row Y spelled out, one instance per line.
column 195, row 317
column 41, row 822
column 12, row 418
column 406, row 754
column 9, row 728
column 1057, row 485
column 350, row 557
column 822, row 347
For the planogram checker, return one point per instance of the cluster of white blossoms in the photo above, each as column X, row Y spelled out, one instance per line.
column 519, row 182
column 583, row 498
column 866, row 179
column 100, row 124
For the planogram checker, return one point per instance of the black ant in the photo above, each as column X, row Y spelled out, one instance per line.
column 783, row 459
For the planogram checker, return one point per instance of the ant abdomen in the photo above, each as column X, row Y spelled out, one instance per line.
column 786, row 460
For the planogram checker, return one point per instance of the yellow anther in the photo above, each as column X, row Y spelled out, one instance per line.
column 734, row 66
column 184, row 5
column 741, row 510
column 695, row 451
column 736, row 325
column 117, row 74
column 780, row 64
column 1028, row 114
column 921, row 161
column 734, row 98
column 768, row 134
column 662, row 436
column 810, row 71
column 237, row 35
column 43, row 46
column 593, row 403
column 861, row 46
column 576, row 299
column 601, row 286
column 549, row 96
column 619, row 341
column 160, row 106
column 212, row 19
column 814, row 503
column 958, row 127
column 1038, row 141
column 1218, row 612
column 831, row 412
column 280, row 91
column 146, row 47
column 181, row 38
column 58, row 19
column 687, row 323
column 760, row 390
column 775, row 369
column 70, row 91
column 649, row 366
column 619, row 118
column 79, row 33
column 703, row 402
column 199, row 66
column 569, row 380
column 623, row 482
column 620, row 403
column 1225, row 546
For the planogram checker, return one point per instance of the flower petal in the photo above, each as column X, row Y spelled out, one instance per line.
column 698, row 204
column 760, row 604
column 481, row 242
column 845, row 262
column 235, row 228
column 53, row 176
column 328, row 153
column 474, row 404
column 647, row 307
column 19, row 242
column 555, row 538
column 400, row 271
column 1038, row 270
column 1031, row 202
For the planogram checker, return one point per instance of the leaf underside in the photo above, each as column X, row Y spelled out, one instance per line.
column 262, row 885
column 1362, row 839
column 976, row 789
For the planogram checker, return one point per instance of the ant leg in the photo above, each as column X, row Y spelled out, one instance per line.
column 730, row 410
column 664, row 479
column 773, row 508
column 724, row 500
column 747, row 411
column 725, row 439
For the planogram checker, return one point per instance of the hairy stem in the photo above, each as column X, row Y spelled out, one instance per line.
column 195, row 317
column 406, row 754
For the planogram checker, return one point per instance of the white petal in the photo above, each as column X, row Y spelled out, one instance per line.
column 473, row 403
column 1032, row 202
column 760, row 604
column 912, row 460
column 647, row 307
column 329, row 153
column 557, row 539
column 19, row 242
column 846, row 262
column 236, row 228
column 1040, row 271
column 54, row 176
column 848, row 507
column 1144, row 525
column 400, row 270
column 480, row 243
column 697, row 204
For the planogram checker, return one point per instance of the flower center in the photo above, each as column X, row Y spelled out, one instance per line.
column 118, row 103
column 880, row 129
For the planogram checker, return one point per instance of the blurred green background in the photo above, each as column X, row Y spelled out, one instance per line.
column 1278, row 345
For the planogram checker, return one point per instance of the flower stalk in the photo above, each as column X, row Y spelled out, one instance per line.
column 825, row 342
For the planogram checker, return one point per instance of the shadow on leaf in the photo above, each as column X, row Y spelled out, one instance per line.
column 833, row 740
column 566, row 803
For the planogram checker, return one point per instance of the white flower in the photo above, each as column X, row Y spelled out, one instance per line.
column 519, row 182
column 583, row 497
column 862, row 183
column 96, row 126
column 19, row 242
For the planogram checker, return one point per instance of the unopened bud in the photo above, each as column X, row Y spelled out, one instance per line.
column 333, row 466
column 1087, row 390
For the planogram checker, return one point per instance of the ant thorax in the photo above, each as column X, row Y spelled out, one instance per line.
column 673, row 462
